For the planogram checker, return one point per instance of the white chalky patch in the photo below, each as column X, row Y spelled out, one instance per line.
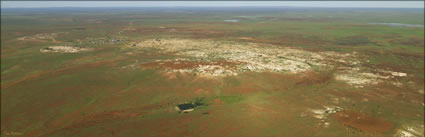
column 63, row 49
column 264, row 58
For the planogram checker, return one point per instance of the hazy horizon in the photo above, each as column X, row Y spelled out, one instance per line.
column 313, row 4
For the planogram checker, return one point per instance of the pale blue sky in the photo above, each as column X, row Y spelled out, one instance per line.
column 363, row 4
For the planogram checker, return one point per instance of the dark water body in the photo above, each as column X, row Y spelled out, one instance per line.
column 186, row 106
column 191, row 105
column 398, row 25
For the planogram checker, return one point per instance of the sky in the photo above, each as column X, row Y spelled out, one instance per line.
column 360, row 4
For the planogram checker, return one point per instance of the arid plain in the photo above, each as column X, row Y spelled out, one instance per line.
column 212, row 72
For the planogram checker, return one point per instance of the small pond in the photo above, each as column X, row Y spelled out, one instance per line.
column 186, row 106
column 189, row 106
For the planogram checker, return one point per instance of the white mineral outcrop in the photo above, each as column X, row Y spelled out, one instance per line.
column 264, row 57
column 63, row 49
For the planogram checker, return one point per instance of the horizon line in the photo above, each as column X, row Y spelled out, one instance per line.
column 208, row 7
column 309, row 4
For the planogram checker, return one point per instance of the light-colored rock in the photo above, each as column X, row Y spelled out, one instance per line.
column 63, row 49
column 410, row 131
column 254, row 57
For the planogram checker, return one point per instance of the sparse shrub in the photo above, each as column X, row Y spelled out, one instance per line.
column 413, row 41
column 354, row 41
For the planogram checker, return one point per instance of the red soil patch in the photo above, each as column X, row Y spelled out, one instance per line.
column 61, row 71
column 217, row 101
column 312, row 77
column 102, row 118
column 105, row 116
column 201, row 92
column 363, row 122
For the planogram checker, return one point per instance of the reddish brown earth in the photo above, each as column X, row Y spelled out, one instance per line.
column 61, row 71
column 363, row 122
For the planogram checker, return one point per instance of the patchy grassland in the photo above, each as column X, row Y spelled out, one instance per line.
column 273, row 72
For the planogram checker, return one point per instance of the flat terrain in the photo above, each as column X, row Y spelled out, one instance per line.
column 252, row 71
